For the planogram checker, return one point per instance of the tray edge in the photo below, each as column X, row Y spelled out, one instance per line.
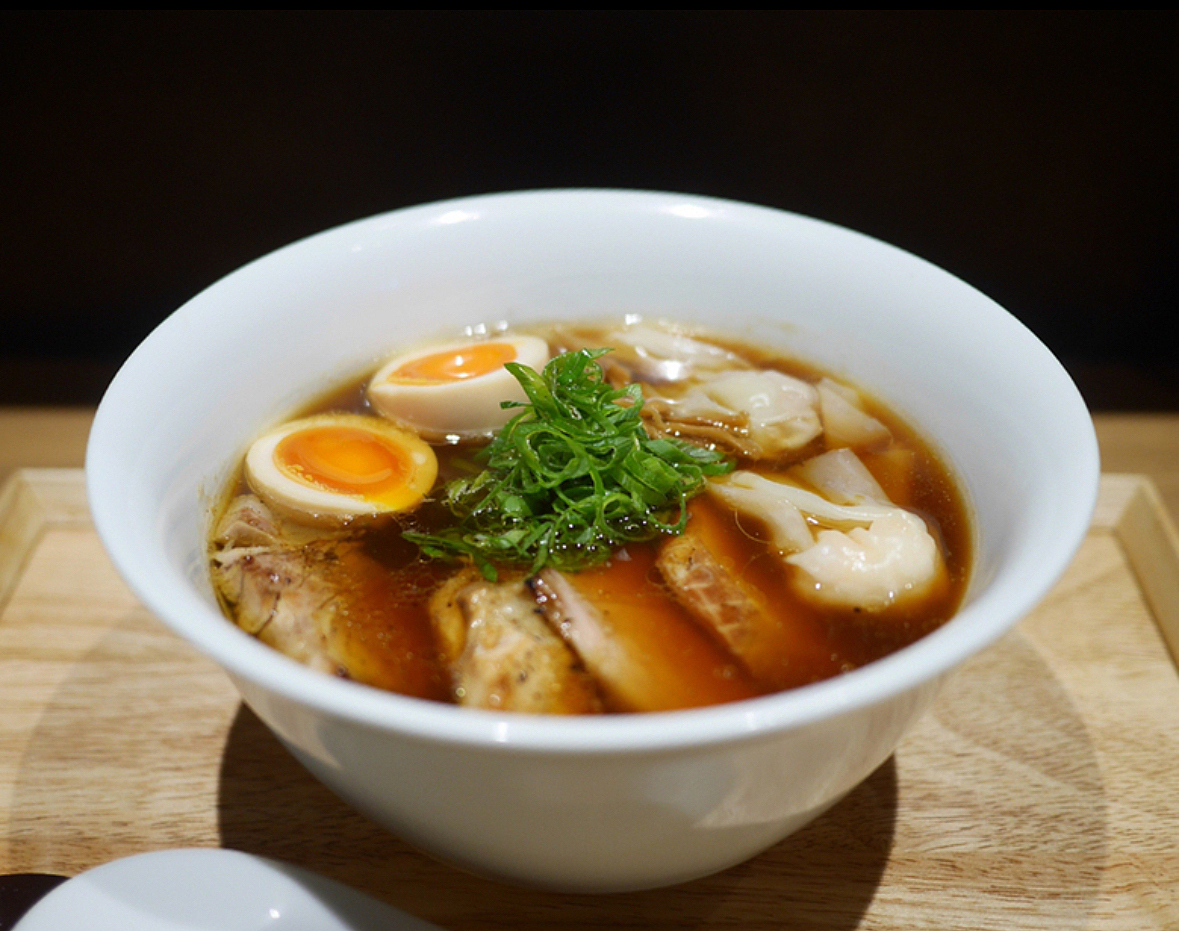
column 31, row 500
column 1131, row 507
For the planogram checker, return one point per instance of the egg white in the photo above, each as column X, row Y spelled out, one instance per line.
column 447, row 411
column 313, row 504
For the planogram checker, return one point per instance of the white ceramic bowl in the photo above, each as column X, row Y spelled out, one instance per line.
column 606, row 803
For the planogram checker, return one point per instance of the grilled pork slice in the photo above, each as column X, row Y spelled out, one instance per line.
column 501, row 653
column 247, row 522
column 737, row 613
column 740, row 599
column 645, row 654
column 278, row 595
column 323, row 602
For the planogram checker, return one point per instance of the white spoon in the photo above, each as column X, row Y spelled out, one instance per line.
column 210, row 890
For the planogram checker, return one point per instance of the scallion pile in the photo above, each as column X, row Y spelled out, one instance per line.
column 571, row 478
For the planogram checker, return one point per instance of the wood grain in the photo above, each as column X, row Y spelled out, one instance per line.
column 1039, row 792
column 43, row 437
column 1146, row 444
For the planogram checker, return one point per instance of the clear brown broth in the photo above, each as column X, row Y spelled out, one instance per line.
column 389, row 584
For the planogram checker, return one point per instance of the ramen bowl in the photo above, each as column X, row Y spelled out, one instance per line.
column 610, row 802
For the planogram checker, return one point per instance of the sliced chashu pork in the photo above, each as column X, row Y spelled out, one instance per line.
column 274, row 589
column 736, row 612
column 501, row 653
column 740, row 601
column 321, row 601
column 636, row 642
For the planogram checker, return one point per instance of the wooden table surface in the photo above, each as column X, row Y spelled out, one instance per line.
column 1041, row 791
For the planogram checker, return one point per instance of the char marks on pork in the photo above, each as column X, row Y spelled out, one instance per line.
column 324, row 602
column 501, row 653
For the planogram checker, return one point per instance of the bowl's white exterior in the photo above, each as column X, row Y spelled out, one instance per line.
column 602, row 803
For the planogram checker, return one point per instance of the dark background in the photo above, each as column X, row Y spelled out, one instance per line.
column 145, row 155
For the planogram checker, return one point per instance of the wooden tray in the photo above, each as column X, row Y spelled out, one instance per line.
column 1042, row 791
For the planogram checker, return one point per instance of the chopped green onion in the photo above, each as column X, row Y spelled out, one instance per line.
column 571, row 478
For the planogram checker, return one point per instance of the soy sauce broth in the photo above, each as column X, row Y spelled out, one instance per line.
column 684, row 664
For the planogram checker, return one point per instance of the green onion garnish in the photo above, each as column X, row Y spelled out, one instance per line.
column 571, row 478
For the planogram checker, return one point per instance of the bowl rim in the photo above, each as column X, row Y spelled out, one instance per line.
column 258, row 669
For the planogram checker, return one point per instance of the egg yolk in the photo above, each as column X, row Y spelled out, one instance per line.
column 455, row 364
column 350, row 461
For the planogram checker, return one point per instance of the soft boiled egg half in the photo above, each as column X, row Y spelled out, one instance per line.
column 334, row 468
column 454, row 392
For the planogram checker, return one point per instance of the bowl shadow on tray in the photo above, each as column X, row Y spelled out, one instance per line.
column 995, row 811
column 823, row 876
